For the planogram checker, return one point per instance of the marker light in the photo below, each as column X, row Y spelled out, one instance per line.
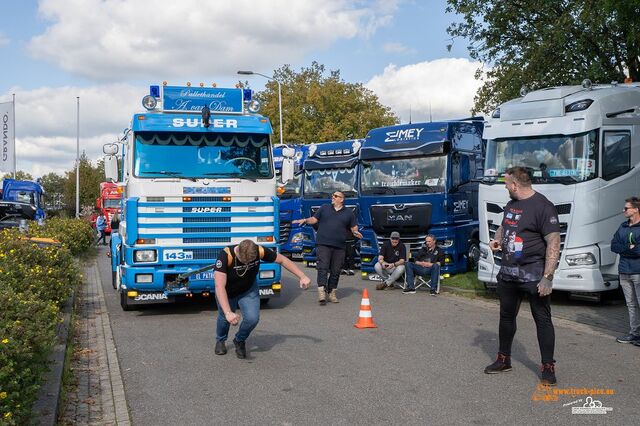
column 149, row 102
column 201, row 84
column 586, row 84
column 214, row 85
column 254, row 106
column 356, row 146
column 188, row 84
column 164, row 83
column 312, row 149
column 267, row 239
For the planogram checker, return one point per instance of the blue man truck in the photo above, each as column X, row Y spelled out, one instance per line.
column 27, row 192
column 290, row 195
column 421, row 179
column 196, row 171
column 329, row 167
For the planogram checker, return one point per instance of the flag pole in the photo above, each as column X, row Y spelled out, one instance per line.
column 78, row 158
column 14, row 136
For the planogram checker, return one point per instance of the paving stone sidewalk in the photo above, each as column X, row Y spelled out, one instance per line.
column 97, row 393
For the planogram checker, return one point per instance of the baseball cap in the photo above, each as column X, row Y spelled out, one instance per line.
column 395, row 234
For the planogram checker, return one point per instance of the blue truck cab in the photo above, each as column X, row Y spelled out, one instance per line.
column 24, row 191
column 290, row 195
column 196, row 175
column 329, row 167
column 420, row 179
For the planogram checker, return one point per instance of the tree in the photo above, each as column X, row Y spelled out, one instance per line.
column 317, row 107
column 90, row 178
column 54, row 186
column 20, row 175
column 547, row 43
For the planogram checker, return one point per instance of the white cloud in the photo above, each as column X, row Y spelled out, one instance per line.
column 396, row 48
column 46, row 123
column 446, row 85
column 108, row 40
column 4, row 40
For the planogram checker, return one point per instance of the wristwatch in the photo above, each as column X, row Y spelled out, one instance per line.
column 548, row 276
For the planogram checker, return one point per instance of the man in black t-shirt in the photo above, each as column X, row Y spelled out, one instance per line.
column 529, row 239
column 390, row 264
column 426, row 263
column 236, row 286
column 335, row 222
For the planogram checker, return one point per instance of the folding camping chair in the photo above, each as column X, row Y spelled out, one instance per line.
column 419, row 280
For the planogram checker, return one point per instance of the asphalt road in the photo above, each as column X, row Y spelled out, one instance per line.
column 307, row 364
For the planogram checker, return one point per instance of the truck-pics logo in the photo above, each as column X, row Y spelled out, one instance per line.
column 403, row 135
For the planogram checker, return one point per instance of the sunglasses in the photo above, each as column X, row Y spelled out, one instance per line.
column 628, row 208
column 337, row 196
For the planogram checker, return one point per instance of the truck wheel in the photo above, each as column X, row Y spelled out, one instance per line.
column 473, row 255
column 124, row 302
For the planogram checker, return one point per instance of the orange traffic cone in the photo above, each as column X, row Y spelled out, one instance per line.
column 365, row 320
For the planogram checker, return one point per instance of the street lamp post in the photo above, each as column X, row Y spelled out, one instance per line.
column 279, row 96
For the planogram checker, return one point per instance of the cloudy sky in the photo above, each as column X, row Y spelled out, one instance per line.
column 107, row 52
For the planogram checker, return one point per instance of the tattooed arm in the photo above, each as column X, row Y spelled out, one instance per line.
column 551, row 261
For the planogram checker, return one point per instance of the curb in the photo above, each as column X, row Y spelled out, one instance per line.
column 45, row 408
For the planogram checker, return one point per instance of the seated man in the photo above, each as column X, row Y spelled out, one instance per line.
column 390, row 265
column 427, row 262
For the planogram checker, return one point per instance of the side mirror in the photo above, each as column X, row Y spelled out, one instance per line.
column 110, row 148
column 287, row 170
column 111, row 168
column 288, row 152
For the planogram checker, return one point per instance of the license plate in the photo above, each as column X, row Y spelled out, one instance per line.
column 203, row 276
column 177, row 255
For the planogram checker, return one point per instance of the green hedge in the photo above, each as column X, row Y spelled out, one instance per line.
column 34, row 281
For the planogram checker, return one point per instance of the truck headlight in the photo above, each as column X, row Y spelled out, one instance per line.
column 297, row 237
column 145, row 256
column 265, row 275
column 484, row 253
column 580, row 259
column 446, row 243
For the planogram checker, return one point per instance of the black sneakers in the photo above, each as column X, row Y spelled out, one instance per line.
column 221, row 348
column 502, row 364
column 409, row 291
column 548, row 374
column 241, row 351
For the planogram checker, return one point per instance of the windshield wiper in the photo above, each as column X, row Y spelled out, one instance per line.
column 383, row 190
column 320, row 194
column 231, row 175
column 172, row 174
column 425, row 189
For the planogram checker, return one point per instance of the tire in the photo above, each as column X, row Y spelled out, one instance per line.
column 473, row 255
column 124, row 302
column 264, row 303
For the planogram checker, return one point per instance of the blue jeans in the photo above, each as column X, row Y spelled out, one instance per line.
column 630, row 284
column 249, row 303
column 412, row 270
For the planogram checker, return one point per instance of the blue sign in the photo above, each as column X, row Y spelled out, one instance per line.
column 191, row 190
column 193, row 99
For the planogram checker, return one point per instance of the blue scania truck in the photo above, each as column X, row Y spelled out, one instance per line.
column 329, row 167
column 196, row 174
column 290, row 195
column 421, row 179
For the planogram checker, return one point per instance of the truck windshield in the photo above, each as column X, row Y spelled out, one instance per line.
column 24, row 197
column 291, row 188
column 404, row 175
column 322, row 183
column 202, row 155
column 111, row 203
column 562, row 159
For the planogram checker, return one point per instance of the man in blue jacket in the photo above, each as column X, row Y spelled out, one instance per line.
column 626, row 242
